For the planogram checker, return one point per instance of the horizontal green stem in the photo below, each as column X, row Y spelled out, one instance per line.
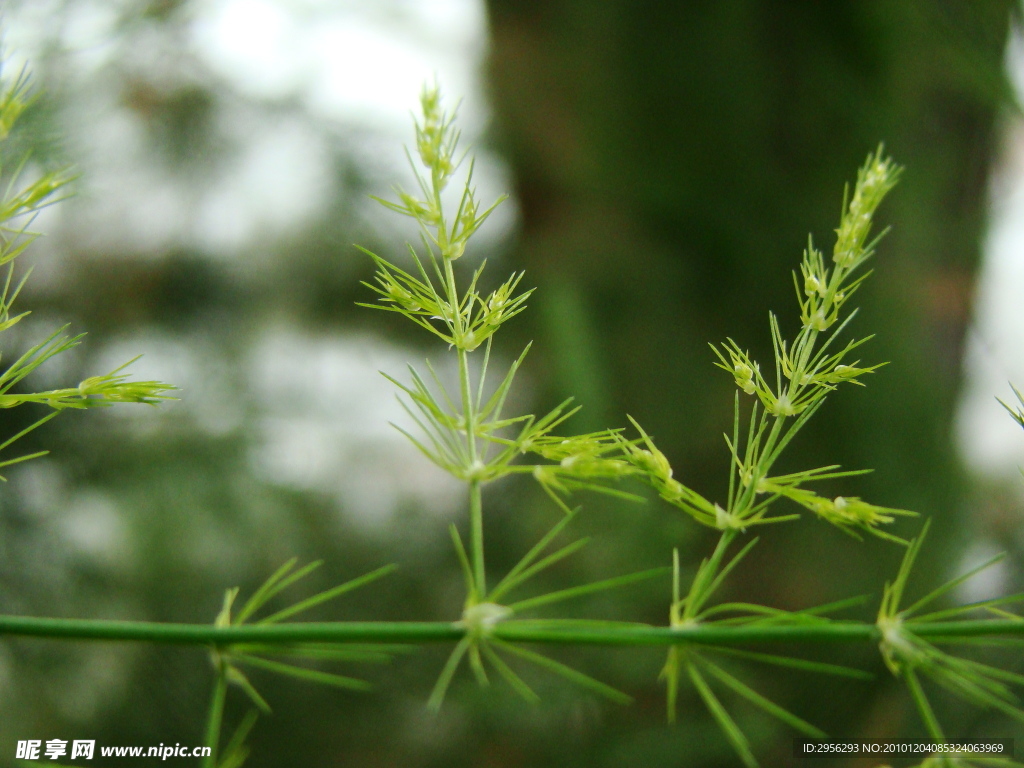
column 527, row 632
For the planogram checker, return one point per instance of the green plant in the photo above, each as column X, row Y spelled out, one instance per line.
column 1018, row 412
column 468, row 434
column 27, row 190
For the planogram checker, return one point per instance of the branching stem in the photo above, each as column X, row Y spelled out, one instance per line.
column 513, row 631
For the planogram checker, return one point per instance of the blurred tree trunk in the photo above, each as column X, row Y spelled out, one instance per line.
column 670, row 160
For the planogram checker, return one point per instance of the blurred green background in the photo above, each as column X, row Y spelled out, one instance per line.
column 666, row 162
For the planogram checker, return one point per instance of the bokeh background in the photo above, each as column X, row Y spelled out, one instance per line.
column 666, row 162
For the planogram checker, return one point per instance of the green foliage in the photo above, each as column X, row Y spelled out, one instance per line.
column 908, row 655
column 229, row 660
column 1016, row 412
column 807, row 370
column 468, row 434
column 692, row 610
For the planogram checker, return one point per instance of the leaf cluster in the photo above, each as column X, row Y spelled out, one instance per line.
column 1017, row 412
column 910, row 657
column 466, row 431
column 697, row 662
column 807, row 369
column 228, row 661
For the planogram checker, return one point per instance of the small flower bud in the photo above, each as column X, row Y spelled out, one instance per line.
column 468, row 217
column 454, row 250
column 819, row 321
column 744, row 376
column 477, row 470
column 470, row 341
column 496, row 302
column 481, row 618
column 653, row 462
column 783, row 406
column 398, row 294
column 543, row 475
column 727, row 520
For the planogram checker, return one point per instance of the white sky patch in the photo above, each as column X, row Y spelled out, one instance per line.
column 280, row 176
column 94, row 527
column 291, row 78
column 254, row 43
column 991, row 442
column 324, row 425
column 354, row 62
column 344, row 69
column 367, row 72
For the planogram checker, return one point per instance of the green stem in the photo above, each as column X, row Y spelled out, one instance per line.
column 760, row 468
column 476, row 522
column 476, row 528
column 453, row 299
column 805, row 349
column 215, row 716
column 924, row 707
column 513, row 631
column 468, row 412
column 699, row 592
